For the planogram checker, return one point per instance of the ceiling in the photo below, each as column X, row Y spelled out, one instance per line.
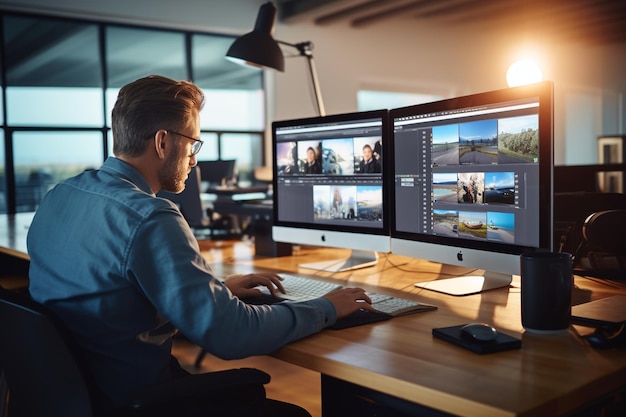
column 589, row 21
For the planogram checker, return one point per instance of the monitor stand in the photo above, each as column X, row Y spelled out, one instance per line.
column 357, row 259
column 467, row 285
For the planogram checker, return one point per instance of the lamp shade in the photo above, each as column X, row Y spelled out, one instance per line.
column 258, row 47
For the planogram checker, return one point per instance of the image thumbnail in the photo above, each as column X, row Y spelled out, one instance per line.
column 445, row 148
column 472, row 225
column 478, row 142
column 446, row 222
column 501, row 227
column 343, row 202
column 369, row 203
column 334, row 202
column 368, row 155
column 500, row 187
column 445, row 187
column 321, row 202
column 518, row 140
column 287, row 158
column 310, row 157
column 337, row 156
column 471, row 187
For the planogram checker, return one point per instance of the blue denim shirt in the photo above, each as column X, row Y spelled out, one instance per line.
column 122, row 269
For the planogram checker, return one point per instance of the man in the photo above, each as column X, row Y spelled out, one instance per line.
column 122, row 269
column 312, row 166
column 369, row 164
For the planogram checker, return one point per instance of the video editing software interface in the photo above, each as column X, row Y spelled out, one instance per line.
column 329, row 172
column 469, row 173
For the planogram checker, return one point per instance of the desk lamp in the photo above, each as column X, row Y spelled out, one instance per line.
column 260, row 49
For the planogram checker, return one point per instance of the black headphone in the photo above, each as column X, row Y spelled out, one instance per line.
column 607, row 336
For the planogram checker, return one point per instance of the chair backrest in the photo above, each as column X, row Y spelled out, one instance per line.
column 572, row 208
column 605, row 231
column 189, row 200
column 216, row 172
column 43, row 376
column 602, row 251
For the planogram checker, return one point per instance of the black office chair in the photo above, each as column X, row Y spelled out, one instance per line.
column 204, row 221
column 602, row 251
column 45, row 377
column 571, row 209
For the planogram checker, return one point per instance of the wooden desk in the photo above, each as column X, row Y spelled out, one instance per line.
column 548, row 376
column 399, row 358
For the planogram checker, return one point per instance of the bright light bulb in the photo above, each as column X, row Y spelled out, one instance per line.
column 523, row 72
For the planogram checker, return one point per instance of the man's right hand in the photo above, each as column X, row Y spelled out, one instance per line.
column 349, row 300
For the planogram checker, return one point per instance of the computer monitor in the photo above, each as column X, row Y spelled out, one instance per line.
column 330, row 185
column 220, row 172
column 472, row 183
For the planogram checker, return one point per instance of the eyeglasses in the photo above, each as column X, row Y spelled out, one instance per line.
column 195, row 148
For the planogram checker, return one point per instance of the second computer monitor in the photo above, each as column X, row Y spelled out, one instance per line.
column 472, row 182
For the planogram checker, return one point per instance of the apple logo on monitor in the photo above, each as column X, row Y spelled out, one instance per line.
column 459, row 256
column 323, row 238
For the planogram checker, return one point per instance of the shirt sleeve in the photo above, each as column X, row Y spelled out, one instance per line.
column 167, row 267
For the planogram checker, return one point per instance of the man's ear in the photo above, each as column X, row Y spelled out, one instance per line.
column 160, row 143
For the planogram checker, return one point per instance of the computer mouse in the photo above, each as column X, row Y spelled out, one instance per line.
column 479, row 332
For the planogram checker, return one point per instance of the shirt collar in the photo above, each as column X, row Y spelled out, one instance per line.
column 117, row 167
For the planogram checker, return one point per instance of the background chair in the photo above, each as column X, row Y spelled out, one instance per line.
column 571, row 209
column 602, row 251
column 46, row 379
column 189, row 201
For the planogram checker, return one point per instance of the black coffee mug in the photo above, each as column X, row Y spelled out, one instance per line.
column 546, row 292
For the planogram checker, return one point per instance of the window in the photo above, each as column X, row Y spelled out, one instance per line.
column 135, row 53
column 54, row 106
column 246, row 149
column 3, row 176
column 62, row 80
column 42, row 159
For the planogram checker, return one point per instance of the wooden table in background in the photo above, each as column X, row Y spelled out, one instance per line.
column 14, row 258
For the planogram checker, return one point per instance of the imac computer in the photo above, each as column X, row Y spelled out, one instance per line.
column 472, row 183
column 330, row 185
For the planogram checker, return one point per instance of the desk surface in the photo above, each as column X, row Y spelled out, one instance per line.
column 548, row 376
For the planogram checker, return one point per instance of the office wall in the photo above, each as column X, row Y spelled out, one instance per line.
column 401, row 55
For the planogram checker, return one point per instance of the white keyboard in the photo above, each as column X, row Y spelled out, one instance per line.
column 301, row 289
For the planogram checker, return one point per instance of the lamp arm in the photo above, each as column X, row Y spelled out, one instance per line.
column 306, row 50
